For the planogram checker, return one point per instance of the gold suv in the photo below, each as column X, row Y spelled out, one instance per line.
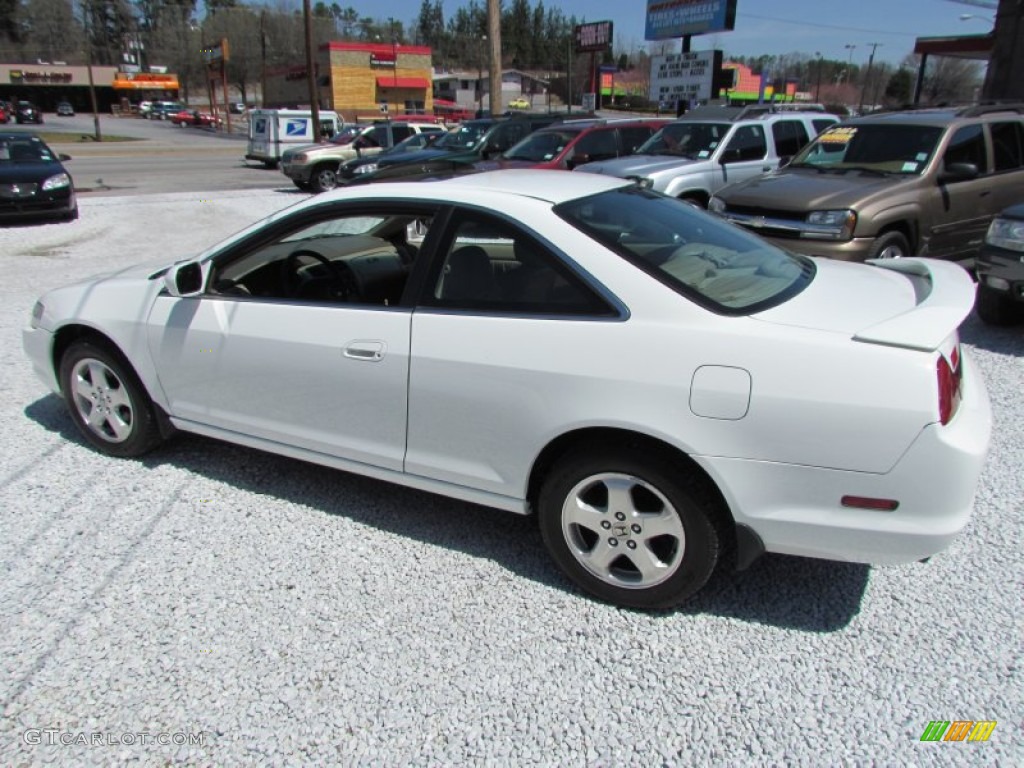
column 921, row 182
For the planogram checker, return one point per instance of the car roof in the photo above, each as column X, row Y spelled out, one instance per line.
column 553, row 187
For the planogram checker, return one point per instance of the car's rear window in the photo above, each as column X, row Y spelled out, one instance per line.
column 706, row 259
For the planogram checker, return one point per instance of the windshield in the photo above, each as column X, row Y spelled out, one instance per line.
column 542, row 146
column 904, row 149
column 710, row 261
column 692, row 140
column 28, row 150
column 466, row 136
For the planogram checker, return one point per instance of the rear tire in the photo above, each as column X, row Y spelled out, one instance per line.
column 631, row 529
column 107, row 401
column 890, row 245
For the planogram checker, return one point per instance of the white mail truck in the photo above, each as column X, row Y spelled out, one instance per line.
column 272, row 131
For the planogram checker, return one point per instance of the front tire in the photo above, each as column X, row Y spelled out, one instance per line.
column 890, row 245
column 323, row 179
column 635, row 531
column 996, row 308
column 107, row 401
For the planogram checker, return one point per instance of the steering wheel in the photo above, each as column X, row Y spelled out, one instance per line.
column 335, row 285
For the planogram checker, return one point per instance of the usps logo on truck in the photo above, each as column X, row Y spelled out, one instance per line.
column 295, row 127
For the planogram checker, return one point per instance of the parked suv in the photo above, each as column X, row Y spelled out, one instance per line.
column 315, row 166
column 576, row 142
column 893, row 184
column 162, row 110
column 695, row 156
column 460, row 148
column 1000, row 269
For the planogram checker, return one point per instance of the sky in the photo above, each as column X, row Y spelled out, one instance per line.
column 770, row 26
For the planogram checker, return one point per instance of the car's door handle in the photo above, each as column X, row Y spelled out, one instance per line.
column 370, row 351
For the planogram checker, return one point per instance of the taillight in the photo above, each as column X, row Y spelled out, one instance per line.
column 949, row 373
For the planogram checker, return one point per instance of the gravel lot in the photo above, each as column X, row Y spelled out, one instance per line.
column 287, row 614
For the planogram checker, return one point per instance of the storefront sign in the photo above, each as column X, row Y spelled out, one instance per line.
column 684, row 76
column 382, row 59
column 674, row 18
column 596, row 36
column 25, row 77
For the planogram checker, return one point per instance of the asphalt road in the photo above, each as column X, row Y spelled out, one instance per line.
column 161, row 158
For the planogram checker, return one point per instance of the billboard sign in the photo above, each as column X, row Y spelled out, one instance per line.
column 668, row 19
column 684, row 76
column 596, row 36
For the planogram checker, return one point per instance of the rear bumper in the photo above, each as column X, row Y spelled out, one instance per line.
column 796, row 509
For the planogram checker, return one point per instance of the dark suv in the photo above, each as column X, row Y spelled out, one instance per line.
column 1000, row 269
column 924, row 182
column 460, row 148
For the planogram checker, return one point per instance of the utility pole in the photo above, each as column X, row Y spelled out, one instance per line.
column 310, row 73
column 867, row 75
column 263, row 58
column 494, row 35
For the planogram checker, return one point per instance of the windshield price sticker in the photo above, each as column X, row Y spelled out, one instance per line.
column 837, row 136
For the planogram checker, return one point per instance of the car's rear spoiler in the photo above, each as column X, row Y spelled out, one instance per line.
column 945, row 302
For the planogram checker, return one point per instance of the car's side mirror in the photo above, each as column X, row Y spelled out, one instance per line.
column 578, row 159
column 784, row 161
column 729, row 156
column 185, row 279
column 959, row 172
column 63, row 158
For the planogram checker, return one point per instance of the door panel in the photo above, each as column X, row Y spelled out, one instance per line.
column 326, row 378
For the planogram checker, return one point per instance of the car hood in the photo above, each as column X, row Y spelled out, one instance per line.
column 498, row 165
column 424, row 155
column 23, row 173
column 636, row 165
column 912, row 303
column 808, row 190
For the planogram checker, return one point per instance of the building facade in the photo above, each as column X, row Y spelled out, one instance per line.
column 360, row 81
column 46, row 85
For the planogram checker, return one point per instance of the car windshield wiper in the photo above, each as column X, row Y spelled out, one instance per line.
column 865, row 169
column 673, row 153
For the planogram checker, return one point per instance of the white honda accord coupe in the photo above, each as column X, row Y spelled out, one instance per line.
column 664, row 390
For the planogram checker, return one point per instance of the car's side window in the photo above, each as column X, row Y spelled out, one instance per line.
column 748, row 143
column 360, row 257
column 596, row 145
column 967, row 146
column 490, row 265
column 632, row 138
column 821, row 124
column 790, row 136
column 400, row 132
column 1008, row 145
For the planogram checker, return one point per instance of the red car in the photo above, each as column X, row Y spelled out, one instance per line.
column 566, row 145
column 195, row 117
column 4, row 117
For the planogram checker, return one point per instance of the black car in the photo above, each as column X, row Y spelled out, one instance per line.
column 33, row 182
column 459, row 149
column 358, row 166
column 64, row 109
column 1000, row 269
column 27, row 112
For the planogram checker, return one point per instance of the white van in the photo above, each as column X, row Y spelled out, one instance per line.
column 272, row 131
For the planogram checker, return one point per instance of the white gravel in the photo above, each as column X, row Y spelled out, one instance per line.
column 292, row 615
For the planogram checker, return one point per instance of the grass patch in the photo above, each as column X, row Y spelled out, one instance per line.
column 53, row 137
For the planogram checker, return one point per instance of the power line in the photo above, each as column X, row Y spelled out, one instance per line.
column 827, row 26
